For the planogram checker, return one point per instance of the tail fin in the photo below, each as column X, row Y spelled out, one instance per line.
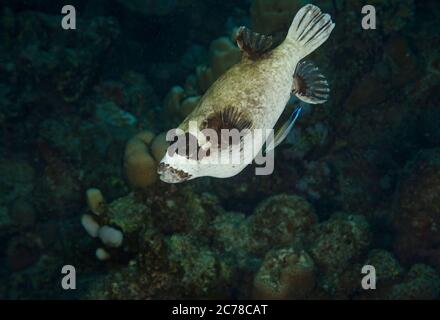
column 310, row 28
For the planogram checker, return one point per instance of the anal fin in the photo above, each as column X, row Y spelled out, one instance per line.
column 253, row 44
column 284, row 130
column 309, row 85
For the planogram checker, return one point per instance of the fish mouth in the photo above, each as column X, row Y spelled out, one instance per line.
column 170, row 174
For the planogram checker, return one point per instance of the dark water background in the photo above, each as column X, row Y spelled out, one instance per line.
column 357, row 181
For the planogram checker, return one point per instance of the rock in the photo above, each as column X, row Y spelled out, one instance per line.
column 421, row 282
column 279, row 221
column 337, row 242
column 388, row 269
column 232, row 236
column 285, row 274
column 159, row 146
column 202, row 272
column 417, row 214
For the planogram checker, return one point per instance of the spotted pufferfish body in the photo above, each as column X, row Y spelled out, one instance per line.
column 253, row 94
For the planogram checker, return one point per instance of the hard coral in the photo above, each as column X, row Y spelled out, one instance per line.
column 139, row 165
column 223, row 55
column 173, row 100
column 337, row 242
column 190, row 212
column 95, row 201
column 203, row 273
column 388, row 269
column 278, row 221
column 129, row 214
column 285, row 274
column 231, row 233
column 417, row 214
column 421, row 282
column 159, row 146
column 179, row 103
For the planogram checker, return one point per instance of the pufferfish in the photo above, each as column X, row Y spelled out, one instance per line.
column 251, row 95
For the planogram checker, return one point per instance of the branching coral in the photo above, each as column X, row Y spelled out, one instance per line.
column 100, row 225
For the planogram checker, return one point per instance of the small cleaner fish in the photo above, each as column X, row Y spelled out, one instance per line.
column 250, row 95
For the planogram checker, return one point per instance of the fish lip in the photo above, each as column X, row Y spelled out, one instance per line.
column 170, row 174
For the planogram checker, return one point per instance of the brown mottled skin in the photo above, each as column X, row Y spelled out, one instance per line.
column 250, row 95
column 259, row 88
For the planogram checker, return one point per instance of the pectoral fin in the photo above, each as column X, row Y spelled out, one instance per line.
column 282, row 132
column 229, row 118
column 253, row 44
column 309, row 84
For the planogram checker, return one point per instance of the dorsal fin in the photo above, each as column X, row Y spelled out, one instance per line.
column 309, row 85
column 253, row 44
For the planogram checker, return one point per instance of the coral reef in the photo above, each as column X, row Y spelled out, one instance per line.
column 95, row 201
column 270, row 17
column 285, row 274
column 180, row 101
column 336, row 245
column 417, row 212
column 421, row 282
column 223, row 55
column 139, row 165
column 152, row 7
column 83, row 122
column 280, row 220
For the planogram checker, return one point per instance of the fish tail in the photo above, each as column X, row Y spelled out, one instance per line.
column 310, row 28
